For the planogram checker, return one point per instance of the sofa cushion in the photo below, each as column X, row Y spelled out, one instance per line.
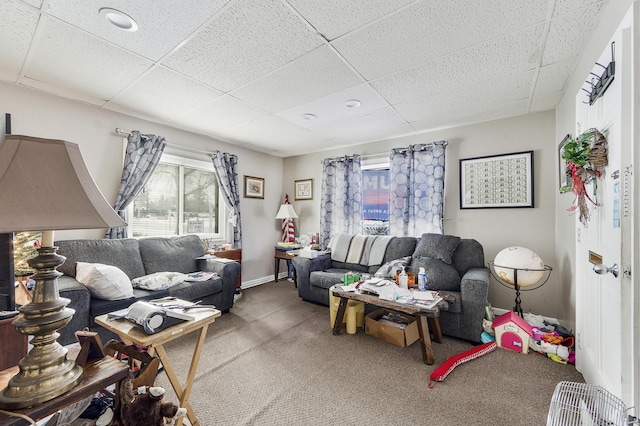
column 325, row 279
column 197, row 290
column 159, row 280
column 468, row 254
column 179, row 253
column 399, row 247
column 440, row 275
column 389, row 269
column 123, row 253
column 104, row 281
column 437, row 246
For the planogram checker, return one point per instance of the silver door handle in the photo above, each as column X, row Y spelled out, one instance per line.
column 601, row 269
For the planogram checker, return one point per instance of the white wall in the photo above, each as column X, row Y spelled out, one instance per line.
column 37, row 114
column 494, row 228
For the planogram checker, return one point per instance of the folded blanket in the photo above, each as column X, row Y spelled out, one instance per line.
column 378, row 249
column 354, row 255
column 339, row 245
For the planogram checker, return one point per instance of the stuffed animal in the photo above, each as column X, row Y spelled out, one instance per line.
column 144, row 406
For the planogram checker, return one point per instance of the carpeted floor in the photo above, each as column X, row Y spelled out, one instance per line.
column 274, row 361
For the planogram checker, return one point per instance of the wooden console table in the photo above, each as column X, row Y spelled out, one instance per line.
column 97, row 374
column 130, row 333
column 425, row 317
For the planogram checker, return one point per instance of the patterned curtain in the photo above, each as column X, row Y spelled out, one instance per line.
column 416, row 193
column 140, row 161
column 225, row 166
column 341, row 198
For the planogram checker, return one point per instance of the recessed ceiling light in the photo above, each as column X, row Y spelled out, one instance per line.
column 119, row 19
column 309, row 116
column 353, row 103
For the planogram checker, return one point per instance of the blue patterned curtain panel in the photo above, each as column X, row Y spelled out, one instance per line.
column 225, row 166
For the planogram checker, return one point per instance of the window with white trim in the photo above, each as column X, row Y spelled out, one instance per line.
column 375, row 191
column 181, row 197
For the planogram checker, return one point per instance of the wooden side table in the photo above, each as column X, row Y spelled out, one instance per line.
column 14, row 347
column 284, row 255
column 130, row 333
column 97, row 374
column 233, row 254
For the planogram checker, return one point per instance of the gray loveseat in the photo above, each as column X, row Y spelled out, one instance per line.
column 453, row 265
column 136, row 258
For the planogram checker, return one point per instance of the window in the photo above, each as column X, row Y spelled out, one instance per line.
column 181, row 197
column 375, row 209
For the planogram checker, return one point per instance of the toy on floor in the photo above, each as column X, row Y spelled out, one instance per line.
column 144, row 406
column 443, row 370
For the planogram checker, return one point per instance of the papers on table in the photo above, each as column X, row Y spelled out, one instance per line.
column 200, row 276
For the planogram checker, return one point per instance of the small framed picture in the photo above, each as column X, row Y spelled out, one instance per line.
column 90, row 346
column 253, row 187
column 303, row 189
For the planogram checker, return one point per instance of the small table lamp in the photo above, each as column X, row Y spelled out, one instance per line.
column 45, row 186
column 287, row 214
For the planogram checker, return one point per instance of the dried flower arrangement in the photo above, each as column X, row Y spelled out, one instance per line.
column 586, row 159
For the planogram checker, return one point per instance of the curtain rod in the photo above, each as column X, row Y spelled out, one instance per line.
column 386, row 154
column 124, row 133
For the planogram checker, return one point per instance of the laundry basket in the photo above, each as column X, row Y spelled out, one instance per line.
column 581, row 404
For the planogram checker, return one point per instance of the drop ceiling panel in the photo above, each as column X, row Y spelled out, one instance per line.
column 18, row 27
column 333, row 18
column 428, row 30
column 316, row 74
column 35, row 3
column 247, row 40
column 220, row 114
column 501, row 56
column 567, row 34
column 278, row 134
column 546, row 101
column 489, row 94
column 64, row 55
column 360, row 128
column 567, row 6
column 551, row 78
column 162, row 24
column 334, row 107
column 165, row 93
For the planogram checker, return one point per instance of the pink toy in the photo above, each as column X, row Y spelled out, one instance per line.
column 512, row 332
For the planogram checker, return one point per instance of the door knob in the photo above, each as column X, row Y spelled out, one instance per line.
column 601, row 269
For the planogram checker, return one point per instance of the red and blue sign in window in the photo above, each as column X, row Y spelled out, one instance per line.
column 375, row 184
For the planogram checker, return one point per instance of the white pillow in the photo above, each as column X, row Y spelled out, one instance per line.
column 104, row 281
column 159, row 280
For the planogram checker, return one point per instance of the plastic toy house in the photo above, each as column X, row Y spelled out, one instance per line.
column 512, row 332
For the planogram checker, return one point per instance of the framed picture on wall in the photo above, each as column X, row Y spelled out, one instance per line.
column 303, row 189
column 497, row 181
column 253, row 187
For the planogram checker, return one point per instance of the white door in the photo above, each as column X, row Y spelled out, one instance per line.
column 604, row 307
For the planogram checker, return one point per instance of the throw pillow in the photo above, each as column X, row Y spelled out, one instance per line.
column 437, row 246
column 159, row 280
column 391, row 268
column 104, row 281
column 440, row 276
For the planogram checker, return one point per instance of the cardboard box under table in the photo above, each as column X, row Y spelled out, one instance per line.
column 393, row 334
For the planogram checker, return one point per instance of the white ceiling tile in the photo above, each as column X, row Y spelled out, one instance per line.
column 567, row 6
column 278, row 134
column 363, row 127
column 18, row 27
column 568, row 33
column 35, row 3
column 502, row 56
column 545, row 101
column 429, row 30
column 318, row 73
column 62, row 48
column 487, row 95
column 165, row 93
column 551, row 78
column 162, row 24
column 220, row 114
column 247, row 40
column 333, row 18
column 333, row 107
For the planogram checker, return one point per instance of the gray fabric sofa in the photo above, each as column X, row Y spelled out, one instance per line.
column 136, row 258
column 453, row 265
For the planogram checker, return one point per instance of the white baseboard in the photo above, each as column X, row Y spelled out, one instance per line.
column 262, row 280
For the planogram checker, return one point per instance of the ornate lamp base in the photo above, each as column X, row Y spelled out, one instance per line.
column 45, row 372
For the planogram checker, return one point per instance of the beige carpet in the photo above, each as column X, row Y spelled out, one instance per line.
column 274, row 361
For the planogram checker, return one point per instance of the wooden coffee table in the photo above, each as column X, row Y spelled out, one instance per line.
column 425, row 316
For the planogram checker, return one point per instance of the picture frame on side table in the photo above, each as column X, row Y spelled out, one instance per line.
column 303, row 189
column 497, row 181
column 253, row 187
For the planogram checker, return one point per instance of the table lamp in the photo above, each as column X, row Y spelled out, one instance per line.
column 45, row 186
column 287, row 214
column 521, row 269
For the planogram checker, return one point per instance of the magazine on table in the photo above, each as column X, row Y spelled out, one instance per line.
column 200, row 276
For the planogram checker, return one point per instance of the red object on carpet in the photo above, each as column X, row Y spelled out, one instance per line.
column 443, row 370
